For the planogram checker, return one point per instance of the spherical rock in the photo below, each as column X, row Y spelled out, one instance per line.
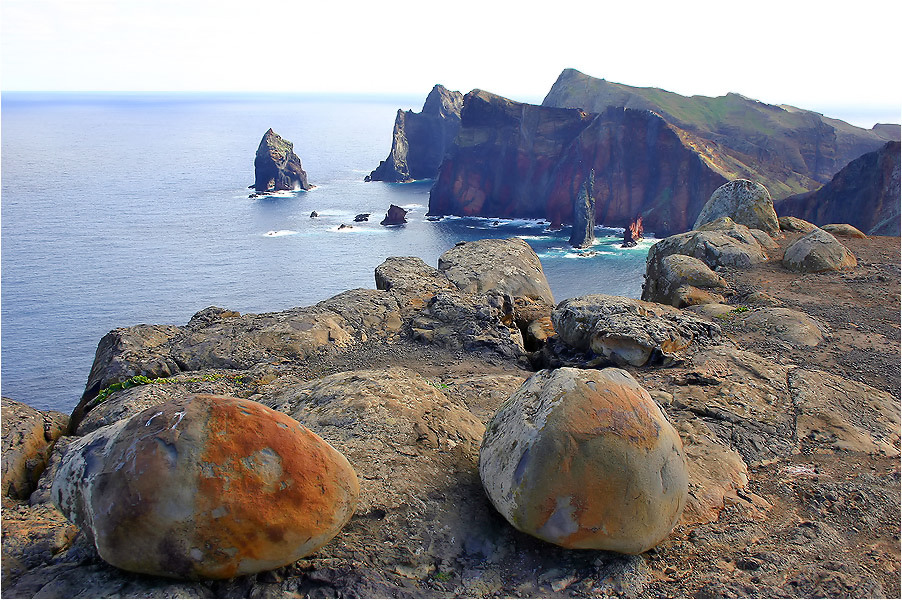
column 746, row 202
column 585, row 459
column 818, row 252
column 205, row 487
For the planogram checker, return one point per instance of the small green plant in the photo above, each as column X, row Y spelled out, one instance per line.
column 740, row 309
column 144, row 380
column 443, row 576
column 439, row 386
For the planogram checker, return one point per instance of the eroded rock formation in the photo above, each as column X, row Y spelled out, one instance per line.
column 277, row 167
column 421, row 140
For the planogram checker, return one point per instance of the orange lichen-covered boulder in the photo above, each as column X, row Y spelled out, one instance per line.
column 205, row 487
column 585, row 459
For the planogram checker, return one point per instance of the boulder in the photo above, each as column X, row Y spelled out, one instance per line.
column 361, row 217
column 796, row 224
column 843, row 229
column 411, row 277
column 421, row 140
column 395, row 216
column 585, row 459
column 277, row 167
column 28, row 436
column 681, row 280
column 629, row 332
column 746, row 202
column 817, row 252
column 205, row 487
column 733, row 247
column 501, row 266
column 786, row 324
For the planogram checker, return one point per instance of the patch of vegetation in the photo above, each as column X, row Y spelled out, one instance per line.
column 143, row 380
column 439, row 386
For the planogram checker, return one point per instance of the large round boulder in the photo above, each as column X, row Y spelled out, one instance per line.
column 205, row 487
column 585, row 459
column 818, row 252
column 746, row 202
column 678, row 280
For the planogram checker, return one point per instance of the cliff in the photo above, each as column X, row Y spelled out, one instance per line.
column 787, row 149
column 277, row 167
column 420, row 140
column 522, row 160
column 865, row 194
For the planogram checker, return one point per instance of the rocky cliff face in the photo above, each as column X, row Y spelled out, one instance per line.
column 522, row 160
column 787, row 149
column 420, row 140
column 277, row 167
column 865, row 193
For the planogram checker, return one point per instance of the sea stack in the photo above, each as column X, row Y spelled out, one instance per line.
column 395, row 216
column 277, row 167
column 583, row 234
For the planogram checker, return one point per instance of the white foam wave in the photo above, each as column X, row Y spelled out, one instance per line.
column 280, row 233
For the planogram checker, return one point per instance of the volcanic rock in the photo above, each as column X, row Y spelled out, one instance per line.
column 583, row 234
column 28, row 436
column 865, row 194
column 681, row 280
column 843, row 229
column 421, row 140
column 746, row 202
column 817, row 252
column 786, row 324
column 503, row 266
column 585, row 459
column 277, row 167
column 734, row 247
column 362, row 217
column 796, row 224
column 205, row 487
column 629, row 332
column 395, row 216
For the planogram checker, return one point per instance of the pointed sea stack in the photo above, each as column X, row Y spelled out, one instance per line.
column 420, row 140
column 395, row 216
column 583, row 234
column 277, row 167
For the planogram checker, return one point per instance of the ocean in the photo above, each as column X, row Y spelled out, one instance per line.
column 119, row 209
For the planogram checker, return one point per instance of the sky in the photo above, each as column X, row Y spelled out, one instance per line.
column 839, row 58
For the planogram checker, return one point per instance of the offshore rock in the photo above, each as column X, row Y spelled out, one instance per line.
column 522, row 160
column 395, row 216
column 277, row 167
column 421, row 140
column 205, row 487
column 865, row 194
column 817, row 252
column 746, row 202
column 583, row 234
column 630, row 332
column 585, row 459
column 501, row 266
column 28, row 437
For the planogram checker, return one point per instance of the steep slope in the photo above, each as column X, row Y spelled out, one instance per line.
column 521, row 160
column 420, row 140
column 865, row 193
column 787, row 149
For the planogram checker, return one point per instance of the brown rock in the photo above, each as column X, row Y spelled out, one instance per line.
column 28, row 437
column 843, row 229
column 205, row 487
column 818, row 252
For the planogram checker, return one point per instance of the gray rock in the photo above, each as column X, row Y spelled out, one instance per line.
column 746, row 202
column 277, row 167
column 583, row 234
column 817, row 252
column 786, row 324
column 394, row 216
column 500, row 266
column 585, row 459
column 796, row 224
column 630, row 332
column 734, row 247
column 665, row 280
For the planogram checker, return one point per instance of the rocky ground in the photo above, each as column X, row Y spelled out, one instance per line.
column 790, row 422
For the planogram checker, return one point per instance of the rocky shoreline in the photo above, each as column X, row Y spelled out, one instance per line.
column 783, row 387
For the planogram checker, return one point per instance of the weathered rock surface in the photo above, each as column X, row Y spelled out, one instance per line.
column 865, row 194
column 786, row 324
column 796, row 224
column 585, row 459
column 503, row 266
column 787, row 149
column 205, row 487
column 746, row 202
column 732, row 247
column 843, row 229
column 522, row 160
column 28, row 436
column 681, row 280
column 817, row 252
column 583, row 234
column 421, row 140
column 395, row 215
column 277, row 167
column 630, row 332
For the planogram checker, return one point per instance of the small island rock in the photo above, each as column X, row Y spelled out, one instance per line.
column 205, row 487
column 395, row 216
column 585, row 459
column 277, row 167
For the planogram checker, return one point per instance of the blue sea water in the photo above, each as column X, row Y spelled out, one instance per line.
column 119, row 209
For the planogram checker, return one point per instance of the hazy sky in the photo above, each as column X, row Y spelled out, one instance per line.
column 834, row 57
